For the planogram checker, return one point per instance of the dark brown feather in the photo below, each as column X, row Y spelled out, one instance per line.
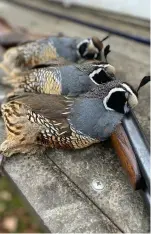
column 53, row 63
column 51, row 107
column 98, row 44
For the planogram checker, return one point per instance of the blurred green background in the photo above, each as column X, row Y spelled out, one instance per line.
column 14, row 215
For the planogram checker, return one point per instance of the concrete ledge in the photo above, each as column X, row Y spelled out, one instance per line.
column 58, row 185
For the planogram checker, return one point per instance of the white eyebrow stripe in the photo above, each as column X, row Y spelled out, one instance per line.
column 133, row 100
column 94, row 73
column 101, row 65
column 84, row 41
column 109, row 95
column 97, row 71
column 127, row 88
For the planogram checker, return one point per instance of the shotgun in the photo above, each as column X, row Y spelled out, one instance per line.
column 133, row 151
column 128, row 139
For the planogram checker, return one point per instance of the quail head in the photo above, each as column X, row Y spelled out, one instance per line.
column 30, row 54
column 39, row 121
column 71, row 80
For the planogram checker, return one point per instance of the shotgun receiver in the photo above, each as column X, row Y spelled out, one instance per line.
column 133, row 151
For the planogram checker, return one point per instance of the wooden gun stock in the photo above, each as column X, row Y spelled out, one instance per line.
column 126, row 155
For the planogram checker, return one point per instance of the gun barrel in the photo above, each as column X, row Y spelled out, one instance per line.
column 139, row 144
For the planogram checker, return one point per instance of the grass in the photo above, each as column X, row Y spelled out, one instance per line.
column 14, row 216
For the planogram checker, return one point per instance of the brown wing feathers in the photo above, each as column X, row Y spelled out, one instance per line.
column 44, row 117
column 47, row 115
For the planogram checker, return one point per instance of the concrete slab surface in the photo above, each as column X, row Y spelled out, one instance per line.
column 59, row 185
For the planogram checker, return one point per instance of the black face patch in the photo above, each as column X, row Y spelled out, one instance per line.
column 89, row 56
column 101, row 77
column 83, row 48
column 117, row 101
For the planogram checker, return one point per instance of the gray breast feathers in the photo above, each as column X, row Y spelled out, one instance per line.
column 91, row 118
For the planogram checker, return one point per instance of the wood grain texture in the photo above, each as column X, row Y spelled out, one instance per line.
column 126, row 155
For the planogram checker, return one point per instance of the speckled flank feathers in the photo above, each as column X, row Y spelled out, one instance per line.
column 55, row 121
column 46, row 81
column 30, row 54
column 71, row 80
column 29, row 125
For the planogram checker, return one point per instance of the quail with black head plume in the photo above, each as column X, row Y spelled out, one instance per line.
column 32, row 53
column 39, row 121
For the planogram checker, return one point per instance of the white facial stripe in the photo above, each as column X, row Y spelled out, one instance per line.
column 127, row 88
column 126, row 108
column 78, row 46
column 94, row 73
column 100, row 68
column 90, row 47
column 133, row 100
column 84, row 41
column 109, row 95
column 102, row 65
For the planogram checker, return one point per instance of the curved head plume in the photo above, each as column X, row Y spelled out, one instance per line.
column 106, row 52
column 143, row 82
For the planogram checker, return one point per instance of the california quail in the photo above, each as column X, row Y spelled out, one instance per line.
column 71, row 80
column 41, row 51
column 38, row 121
